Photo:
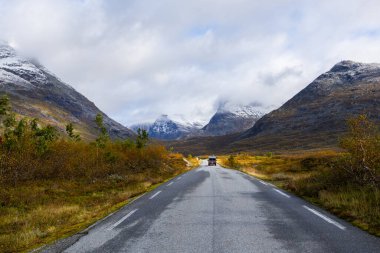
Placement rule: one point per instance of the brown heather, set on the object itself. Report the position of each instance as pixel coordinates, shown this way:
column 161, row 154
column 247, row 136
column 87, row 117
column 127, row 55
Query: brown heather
column 53, row 186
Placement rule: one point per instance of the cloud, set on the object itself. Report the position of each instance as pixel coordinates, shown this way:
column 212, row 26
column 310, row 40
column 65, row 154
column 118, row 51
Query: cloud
column 141, row 58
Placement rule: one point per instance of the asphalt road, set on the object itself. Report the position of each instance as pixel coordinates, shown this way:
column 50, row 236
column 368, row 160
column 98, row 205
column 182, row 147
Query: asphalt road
column 212, row 209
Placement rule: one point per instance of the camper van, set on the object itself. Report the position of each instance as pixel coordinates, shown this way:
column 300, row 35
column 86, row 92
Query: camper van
column 212, row 161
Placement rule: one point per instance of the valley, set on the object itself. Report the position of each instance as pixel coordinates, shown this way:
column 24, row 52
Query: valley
column 58, row 147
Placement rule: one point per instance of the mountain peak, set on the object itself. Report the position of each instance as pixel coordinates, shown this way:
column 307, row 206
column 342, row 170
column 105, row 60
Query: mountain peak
column 163, row 117
column 38, row 93
column 317, row 115
column 348, row 65
column 6, row 51
column 231, row 118
column 246, row 111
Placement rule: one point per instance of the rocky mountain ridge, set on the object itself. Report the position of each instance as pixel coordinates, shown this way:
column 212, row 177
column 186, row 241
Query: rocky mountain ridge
column 164, row 128
column 229, row 118
column 232, row 118
column 319, row 112
column 36, row 92
column 314, row 118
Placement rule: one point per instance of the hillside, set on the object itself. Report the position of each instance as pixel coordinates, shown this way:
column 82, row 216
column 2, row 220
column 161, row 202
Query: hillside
column 317, row 115
column 314, row 118
column 36, row 92
column 231, row 119
column 164, row 128
column 228, row 119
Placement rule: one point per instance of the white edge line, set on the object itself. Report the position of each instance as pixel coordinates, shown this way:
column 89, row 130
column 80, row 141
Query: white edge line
column 263, row 182
column 325, row 218
column 154, row 195
column 169, row 184
column 178, row 178
column 122, row 219
column 283, row 194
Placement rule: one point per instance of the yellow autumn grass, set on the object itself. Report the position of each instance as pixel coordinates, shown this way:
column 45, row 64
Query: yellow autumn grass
column 40, row 211
column 307, row 174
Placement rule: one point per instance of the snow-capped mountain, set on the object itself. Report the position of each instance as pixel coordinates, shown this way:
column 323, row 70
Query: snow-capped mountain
column 36, row 92
column 232, row 118
column 165, row 128
column 317, row 116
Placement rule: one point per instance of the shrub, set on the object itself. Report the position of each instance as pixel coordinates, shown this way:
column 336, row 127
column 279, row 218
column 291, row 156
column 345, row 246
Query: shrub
column 29, row 151
column 362, row 143
column 232, row 163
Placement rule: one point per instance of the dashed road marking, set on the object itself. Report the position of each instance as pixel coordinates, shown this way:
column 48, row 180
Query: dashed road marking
column 122, row 219
column 179, row 178
column 283, row 194
column 169, row 184
column 154, row 195
column 325, row 218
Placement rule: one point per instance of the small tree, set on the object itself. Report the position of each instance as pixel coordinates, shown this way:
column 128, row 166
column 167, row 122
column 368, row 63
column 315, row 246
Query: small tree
column 142, row 138
column 103, row 136
column 4, row 105
column 232, row 162
column 128, row 144
column 43, row 136
column 71, row 134
column 362, row 142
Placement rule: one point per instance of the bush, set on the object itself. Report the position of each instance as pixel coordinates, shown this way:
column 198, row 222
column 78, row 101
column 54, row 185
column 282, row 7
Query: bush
column 232, row 163
column 29, row 151
column 362, row 142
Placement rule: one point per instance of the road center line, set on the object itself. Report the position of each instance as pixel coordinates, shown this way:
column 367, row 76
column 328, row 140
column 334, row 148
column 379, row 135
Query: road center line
column 169, row 184
column 325, row 218
column 154, row 195
column 283, row 194
column 122, row 219
column 179, row 178
column 263, row 182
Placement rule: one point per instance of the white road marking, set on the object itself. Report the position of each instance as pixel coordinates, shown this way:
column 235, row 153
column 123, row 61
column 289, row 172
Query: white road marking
column 263, row 182
column 154, row 195
column 179, row 178
column 325, row 218
column 122, row 219
column 169, row 184
column 283, row 194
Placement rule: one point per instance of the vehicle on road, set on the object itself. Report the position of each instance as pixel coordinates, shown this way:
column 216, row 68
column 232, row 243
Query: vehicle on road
column 212, row 160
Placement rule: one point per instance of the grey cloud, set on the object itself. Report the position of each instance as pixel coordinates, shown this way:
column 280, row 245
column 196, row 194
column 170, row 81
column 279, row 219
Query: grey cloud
column 275, row 78
column 141, row 58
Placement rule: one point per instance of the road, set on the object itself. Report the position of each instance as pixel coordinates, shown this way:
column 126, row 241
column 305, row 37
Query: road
column 212, row 209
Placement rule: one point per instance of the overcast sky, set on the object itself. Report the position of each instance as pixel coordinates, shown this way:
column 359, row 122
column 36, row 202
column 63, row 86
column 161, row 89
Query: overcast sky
column 137, row 59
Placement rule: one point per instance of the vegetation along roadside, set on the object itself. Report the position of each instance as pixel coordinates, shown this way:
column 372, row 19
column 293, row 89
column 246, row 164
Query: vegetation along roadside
column 345, row 183
column 54, row 185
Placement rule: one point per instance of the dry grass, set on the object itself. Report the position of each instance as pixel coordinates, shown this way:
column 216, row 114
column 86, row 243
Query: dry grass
column 194, row 162
column 44, row 211
column 310, row 175
column 38, row 212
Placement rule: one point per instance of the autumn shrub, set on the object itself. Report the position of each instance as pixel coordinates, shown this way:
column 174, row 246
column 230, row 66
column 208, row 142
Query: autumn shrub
column 29, row 151
column 362, row 163
column 53, row 185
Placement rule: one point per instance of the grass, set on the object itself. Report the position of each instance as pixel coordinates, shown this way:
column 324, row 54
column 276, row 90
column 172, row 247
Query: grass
column 310, row 176
column 40, row 211
column 194, row 162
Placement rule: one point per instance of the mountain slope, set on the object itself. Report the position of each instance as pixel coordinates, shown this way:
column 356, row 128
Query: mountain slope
column 232, row 119
column 165, row 128
column 35, row 92
column 317, row 115
column 314, row 118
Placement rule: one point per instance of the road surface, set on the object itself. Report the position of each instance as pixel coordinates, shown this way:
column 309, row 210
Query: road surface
column 212, row 209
